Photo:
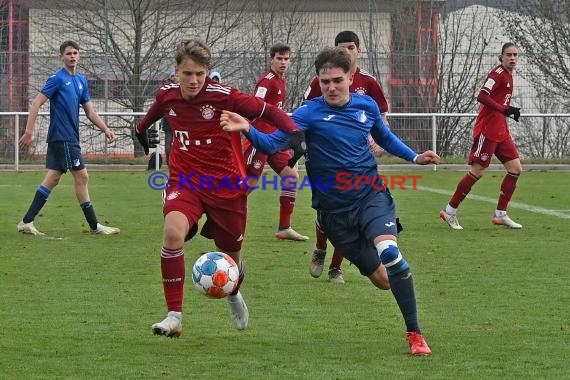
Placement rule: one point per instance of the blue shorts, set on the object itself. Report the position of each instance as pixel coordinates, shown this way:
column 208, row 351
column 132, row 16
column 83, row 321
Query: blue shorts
column 63, row 156
column 353, row 232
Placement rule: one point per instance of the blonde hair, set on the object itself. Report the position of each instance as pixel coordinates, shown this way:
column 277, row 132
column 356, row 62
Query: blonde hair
column 195, row 50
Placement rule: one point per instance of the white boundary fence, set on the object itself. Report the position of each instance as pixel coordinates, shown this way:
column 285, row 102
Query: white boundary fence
column 433, row 116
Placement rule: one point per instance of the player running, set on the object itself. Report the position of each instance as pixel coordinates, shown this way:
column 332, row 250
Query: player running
column 359, row 220
column 206, row 168
column 365, row 84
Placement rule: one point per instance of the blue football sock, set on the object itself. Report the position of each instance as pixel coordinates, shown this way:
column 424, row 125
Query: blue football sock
column 89, row 213
column 401, row 282
column 40, row 199
column 402, row 286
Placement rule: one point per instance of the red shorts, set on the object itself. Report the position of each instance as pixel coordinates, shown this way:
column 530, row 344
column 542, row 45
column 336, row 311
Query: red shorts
column 226, row 218
column 483, row 149
column 255, row 161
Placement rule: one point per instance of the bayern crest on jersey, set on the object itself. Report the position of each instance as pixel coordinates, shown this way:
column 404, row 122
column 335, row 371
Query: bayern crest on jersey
column 207, row 111
column 484, row 157
column 360, row 90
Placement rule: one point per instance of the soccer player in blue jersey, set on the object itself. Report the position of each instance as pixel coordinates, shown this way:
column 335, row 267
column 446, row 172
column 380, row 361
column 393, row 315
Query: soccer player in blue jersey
column 362, row 83
column 66, row 91
column 353, row 206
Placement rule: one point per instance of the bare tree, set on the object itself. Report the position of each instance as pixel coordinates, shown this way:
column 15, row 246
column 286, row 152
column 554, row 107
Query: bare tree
column 437, row 62
column 413, row 69
column 464, row 41
column 542, row 29
column 545, row 137
column 128, row 45
column 275, row 22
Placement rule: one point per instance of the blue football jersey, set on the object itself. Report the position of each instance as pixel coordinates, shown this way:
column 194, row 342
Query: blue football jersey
column 338, row 157
column 66, row 93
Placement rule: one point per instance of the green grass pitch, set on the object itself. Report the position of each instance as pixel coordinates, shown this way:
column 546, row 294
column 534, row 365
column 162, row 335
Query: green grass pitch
column 493, row 303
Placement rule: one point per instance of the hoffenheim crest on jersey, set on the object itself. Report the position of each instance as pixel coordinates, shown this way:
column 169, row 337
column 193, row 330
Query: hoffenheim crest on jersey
column 362, row 117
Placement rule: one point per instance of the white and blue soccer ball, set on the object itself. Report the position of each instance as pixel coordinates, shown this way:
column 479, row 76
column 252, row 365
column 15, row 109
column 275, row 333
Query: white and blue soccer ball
column 215, row 274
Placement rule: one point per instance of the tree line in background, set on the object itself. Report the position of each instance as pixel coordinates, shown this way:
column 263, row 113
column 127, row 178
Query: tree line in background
column 440, row 71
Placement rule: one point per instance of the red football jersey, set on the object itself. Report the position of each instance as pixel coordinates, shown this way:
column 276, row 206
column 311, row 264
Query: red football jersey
column 204, row 156
column 271, row 88
column 490, row 122
column 362, row 83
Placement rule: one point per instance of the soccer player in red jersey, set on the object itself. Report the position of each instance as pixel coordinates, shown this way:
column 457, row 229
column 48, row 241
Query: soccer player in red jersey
column 491, row 136
column 365, row 84
column 206, row 170
column 271, row 87
column 362, row 82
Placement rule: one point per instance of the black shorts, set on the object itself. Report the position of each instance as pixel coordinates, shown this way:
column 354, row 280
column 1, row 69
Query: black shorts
column 353, row 232
column 63, row 156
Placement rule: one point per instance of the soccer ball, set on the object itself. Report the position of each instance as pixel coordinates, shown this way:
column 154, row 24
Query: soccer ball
column 215, row 274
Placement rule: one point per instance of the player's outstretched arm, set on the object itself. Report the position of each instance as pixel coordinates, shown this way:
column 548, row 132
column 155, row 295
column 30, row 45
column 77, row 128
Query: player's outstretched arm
column 269, row 143
column 389, row 141
column 233, row 122
column 427, row 157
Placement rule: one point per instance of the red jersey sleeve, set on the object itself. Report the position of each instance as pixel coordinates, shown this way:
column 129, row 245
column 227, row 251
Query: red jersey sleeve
column 377, row 94
column 252, row 108
column 314, row 89
column 485, row 99
column 489, row 94
column 153, row 114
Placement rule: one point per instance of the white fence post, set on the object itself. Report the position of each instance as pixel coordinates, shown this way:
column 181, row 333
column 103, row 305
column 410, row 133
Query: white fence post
column 434, row 136
column 157, row 150
column 16, row 143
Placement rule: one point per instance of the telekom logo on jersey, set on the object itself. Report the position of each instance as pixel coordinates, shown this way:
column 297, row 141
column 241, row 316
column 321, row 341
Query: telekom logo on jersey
column 182, row 136
column 343, row 181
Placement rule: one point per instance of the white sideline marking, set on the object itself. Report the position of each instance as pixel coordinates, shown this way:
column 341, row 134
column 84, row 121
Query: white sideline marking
column 522, row 206
column 47, row 237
